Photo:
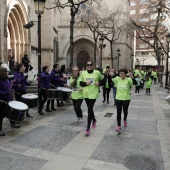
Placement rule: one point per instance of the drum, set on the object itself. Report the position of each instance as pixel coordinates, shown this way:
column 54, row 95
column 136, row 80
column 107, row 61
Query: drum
column 54, row 94
column 65, row 92
column 31, row 100
column 16, row 111
column 64, row 89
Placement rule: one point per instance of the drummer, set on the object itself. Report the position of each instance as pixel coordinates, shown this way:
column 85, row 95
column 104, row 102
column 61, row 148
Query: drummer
column 55, row 81
column 5, row 95
column 64, row 75
column 44, row 85
column 20, row 84
column 77, row 93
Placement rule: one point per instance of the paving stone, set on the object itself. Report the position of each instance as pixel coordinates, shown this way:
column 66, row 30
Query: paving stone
column 166, row 113
column 138, row 127
column 115, row 149
column 46, row 138
column 11, row 161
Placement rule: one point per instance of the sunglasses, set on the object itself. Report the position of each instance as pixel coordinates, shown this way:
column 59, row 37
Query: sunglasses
column 89, row 64
column 75, row 70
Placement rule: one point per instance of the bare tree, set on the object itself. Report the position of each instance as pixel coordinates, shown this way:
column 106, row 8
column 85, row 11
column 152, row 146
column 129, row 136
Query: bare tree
column 153, row 32
column 74, row 7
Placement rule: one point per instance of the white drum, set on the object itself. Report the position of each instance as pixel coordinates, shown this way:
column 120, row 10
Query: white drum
column 64, row 89
column 16, row 111
column 30, row 99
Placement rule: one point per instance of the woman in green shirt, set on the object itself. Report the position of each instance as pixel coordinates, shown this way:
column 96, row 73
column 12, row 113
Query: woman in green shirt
column 123, row 96
column 77, row 94
column 89, row 80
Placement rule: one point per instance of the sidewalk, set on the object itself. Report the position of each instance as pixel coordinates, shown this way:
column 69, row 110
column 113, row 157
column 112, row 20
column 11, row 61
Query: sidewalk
column 56, row 142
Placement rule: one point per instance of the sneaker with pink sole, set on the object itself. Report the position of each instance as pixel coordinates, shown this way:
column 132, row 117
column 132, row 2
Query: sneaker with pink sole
column 125, row 123
column 87, row 132
column 118, row 129
column 94, row 124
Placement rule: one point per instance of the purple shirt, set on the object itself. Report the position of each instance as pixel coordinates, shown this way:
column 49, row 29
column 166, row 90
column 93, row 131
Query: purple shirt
column 5, row 90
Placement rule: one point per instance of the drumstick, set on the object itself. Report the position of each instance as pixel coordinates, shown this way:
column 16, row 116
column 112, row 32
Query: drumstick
column 53, row 86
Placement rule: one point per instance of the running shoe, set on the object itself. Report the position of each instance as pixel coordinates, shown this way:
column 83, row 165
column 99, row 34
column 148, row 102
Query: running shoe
column 87, row 132
column 125, row 123
column 94, row 124
column 118, row 129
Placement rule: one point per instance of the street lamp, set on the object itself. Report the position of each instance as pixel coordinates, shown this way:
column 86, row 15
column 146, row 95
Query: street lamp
column 118, row 55
column 101, row 46
column 132, row 57
column 167, row 73
column 39, row 10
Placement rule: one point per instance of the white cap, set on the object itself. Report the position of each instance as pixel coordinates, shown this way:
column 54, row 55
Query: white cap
column 4, row 65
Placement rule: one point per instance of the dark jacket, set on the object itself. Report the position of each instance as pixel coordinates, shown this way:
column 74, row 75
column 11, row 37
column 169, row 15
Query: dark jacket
column 25, row 61
column 55, row 78
column 5, row 90
column 107, row 78
column 20, row 82
column 44, row 80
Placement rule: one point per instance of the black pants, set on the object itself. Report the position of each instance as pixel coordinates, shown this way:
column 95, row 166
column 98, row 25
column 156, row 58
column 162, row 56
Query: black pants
column 148, row 91
column 106, row 92
column 43, row 94
column 77, row 107
column 90, row 104
column 122, row 104
column 137, row 89
column 3, row 110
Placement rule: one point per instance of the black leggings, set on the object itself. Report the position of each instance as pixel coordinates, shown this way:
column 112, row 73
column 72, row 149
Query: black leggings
column 148, row 90
column 106, row 92
column 125, row 105
column 137, row 89
column 43, row 94
column 77, row 107
column 3, row 110
column 90, row 104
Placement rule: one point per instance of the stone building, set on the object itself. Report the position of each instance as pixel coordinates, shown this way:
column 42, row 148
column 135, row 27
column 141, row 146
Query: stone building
column 55, row 32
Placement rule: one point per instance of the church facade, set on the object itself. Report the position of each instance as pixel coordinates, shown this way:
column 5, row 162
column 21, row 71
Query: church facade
column 55, row 36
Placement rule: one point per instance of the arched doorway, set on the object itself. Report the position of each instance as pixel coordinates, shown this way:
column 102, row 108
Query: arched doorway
column 82, row 57
column 17, row 40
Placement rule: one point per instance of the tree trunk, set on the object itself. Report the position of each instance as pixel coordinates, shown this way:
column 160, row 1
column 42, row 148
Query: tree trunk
column 111, row 51
column 95, row 48
column 71, row 39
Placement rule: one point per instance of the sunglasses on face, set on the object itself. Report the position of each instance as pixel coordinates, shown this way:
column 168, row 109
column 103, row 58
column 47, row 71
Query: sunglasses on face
column 75, row 70
column 89, row 64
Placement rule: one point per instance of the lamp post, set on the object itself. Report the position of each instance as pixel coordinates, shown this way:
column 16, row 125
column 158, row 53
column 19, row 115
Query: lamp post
column 118, row 55
column 132, row 56
column 39, row 10
column 167, row 73
column 101, row 46
column 162, row 58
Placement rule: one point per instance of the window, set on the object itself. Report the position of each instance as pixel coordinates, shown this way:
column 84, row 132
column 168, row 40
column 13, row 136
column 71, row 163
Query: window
column 132, row 3
column 142, row 11
column 56, row 50
column 132, row 12
column 143, row 45
column 143, row 2
column 144, row 19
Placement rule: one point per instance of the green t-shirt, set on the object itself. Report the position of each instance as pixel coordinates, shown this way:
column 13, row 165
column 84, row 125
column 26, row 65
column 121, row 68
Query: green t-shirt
column 77, row 92
column 91, row 91
column 148, row 83
column 123, row 88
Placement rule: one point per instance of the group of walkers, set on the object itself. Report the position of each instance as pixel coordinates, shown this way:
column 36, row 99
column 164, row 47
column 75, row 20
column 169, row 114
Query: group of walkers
column 85, row 85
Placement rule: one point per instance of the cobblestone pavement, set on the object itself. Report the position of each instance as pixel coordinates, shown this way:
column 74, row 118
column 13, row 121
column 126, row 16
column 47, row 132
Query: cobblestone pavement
column 56, row 142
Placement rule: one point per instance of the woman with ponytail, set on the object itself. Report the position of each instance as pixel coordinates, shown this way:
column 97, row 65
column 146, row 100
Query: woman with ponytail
column 76, row 95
